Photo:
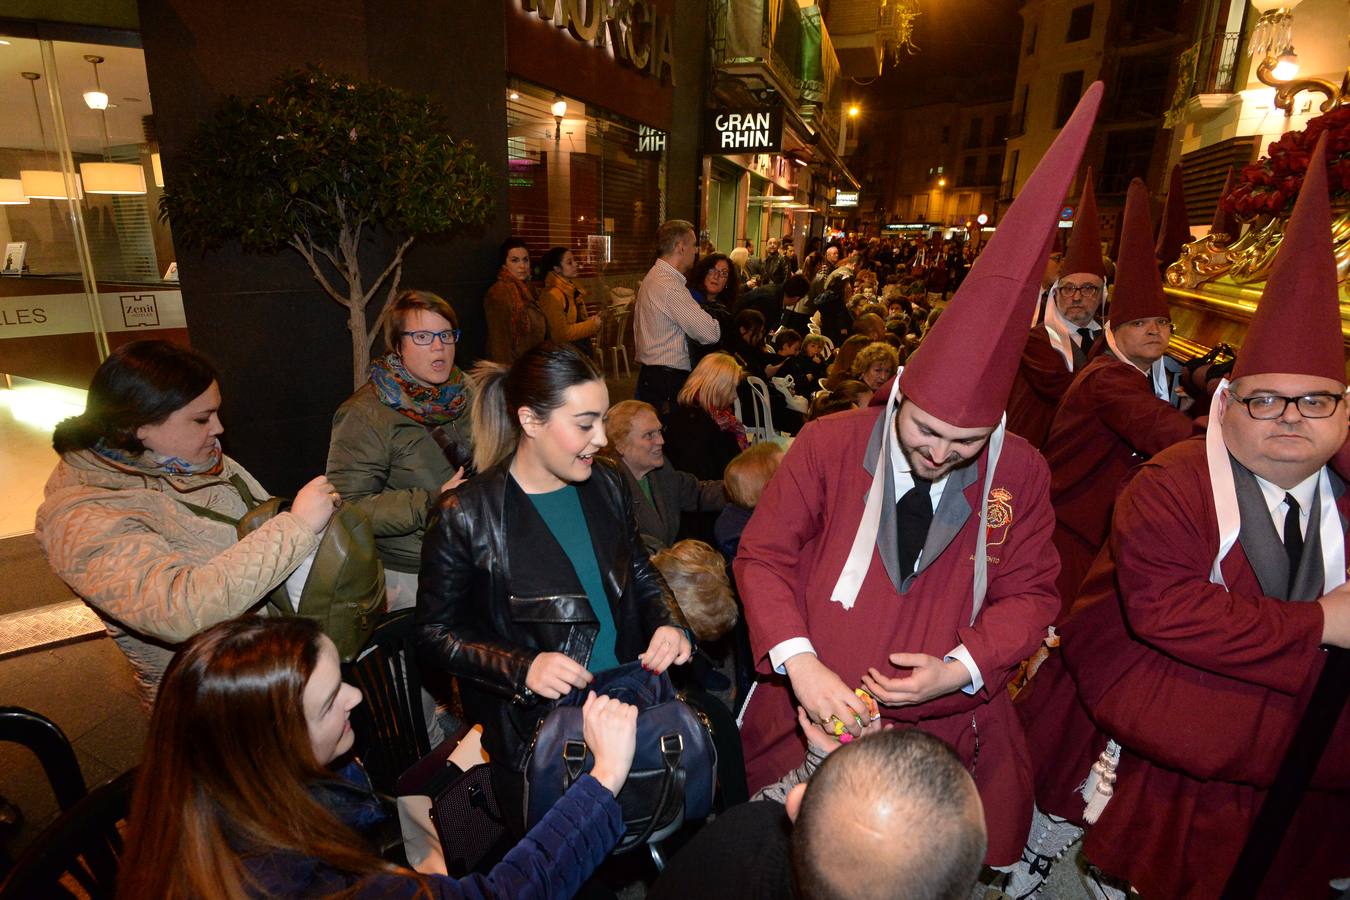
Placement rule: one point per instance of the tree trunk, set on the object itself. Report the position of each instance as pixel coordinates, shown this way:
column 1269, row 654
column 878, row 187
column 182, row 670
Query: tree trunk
column 356, row 323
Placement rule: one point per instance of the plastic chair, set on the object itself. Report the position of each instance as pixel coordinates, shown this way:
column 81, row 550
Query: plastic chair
column 763, row 429
column 614, row 346
column 391, row 731
column 83, row 846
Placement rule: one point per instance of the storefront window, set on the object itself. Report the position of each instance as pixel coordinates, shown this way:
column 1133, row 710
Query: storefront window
column 594, row 183
column 86, row 256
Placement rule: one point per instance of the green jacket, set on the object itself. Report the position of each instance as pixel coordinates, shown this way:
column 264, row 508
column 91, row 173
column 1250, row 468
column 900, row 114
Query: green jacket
column 394, row 465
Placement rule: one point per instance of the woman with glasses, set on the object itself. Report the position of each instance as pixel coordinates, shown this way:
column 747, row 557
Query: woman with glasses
column 404, row 438
column 713, row 283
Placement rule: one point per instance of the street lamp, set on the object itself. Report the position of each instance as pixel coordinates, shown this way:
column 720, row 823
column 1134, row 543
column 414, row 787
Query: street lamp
column 559, row 109
column 853, row 110
column 942, row 182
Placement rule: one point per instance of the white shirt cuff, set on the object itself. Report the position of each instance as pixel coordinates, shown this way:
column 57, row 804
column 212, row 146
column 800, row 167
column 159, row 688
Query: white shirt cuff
column 962, row 655
column 781, row 653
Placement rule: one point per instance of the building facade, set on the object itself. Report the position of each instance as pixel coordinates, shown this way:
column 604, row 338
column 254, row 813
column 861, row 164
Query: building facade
column 1132, row 46
column 626, row 152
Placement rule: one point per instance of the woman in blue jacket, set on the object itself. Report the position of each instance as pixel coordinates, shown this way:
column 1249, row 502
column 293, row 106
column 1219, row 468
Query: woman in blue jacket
column 238, row 796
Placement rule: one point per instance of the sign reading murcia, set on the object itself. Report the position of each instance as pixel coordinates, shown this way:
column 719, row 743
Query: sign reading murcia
column 750, row 130
column 642, row 37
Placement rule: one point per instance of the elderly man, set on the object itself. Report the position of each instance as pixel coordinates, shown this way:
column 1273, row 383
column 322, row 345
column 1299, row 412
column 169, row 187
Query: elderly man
column 1117, row 413
column 905, row 548
column 1196, row 643
column 1063, row 343
column 666, row 315
column 825, row 841
column 660, row 492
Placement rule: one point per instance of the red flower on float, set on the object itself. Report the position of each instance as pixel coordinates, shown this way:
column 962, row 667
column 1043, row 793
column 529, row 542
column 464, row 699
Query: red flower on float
column 1270, row 185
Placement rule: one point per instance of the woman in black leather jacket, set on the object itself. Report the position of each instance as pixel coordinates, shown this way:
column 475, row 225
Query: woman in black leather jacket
column 514, row 558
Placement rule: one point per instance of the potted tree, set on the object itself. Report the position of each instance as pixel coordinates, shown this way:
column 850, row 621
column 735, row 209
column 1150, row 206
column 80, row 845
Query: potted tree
column 321, row 165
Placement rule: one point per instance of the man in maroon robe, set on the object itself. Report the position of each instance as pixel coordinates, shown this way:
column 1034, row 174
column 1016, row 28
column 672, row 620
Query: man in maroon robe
column 1070, row 334
column 905, row 548
column 1190, row 657
column 1117, row 413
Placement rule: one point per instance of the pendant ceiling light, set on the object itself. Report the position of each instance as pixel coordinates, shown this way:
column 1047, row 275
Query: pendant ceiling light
column 42, row 184
column 108, row 177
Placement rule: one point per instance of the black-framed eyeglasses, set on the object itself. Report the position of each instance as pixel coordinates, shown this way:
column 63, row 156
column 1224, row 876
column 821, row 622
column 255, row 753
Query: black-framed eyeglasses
column 1086, row 291
column 1272, row 406
column 449, row 337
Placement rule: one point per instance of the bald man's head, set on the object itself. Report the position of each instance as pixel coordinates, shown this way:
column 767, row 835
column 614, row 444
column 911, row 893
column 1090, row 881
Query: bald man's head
column 894, row 815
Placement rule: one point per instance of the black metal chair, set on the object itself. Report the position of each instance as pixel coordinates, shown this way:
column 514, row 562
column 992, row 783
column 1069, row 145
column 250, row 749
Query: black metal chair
column 83, row 848
column 48, row 743
column 391, row 730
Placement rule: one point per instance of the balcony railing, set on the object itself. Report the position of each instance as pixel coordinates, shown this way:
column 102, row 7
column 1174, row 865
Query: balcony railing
column 1209, row 66
column 1216, row 67
column 788, row 47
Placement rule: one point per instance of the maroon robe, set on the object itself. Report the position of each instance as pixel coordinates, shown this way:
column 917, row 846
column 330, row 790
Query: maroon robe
column 790, row 558
column 1202, row 686
column 1042, row 380
column 1108, row 423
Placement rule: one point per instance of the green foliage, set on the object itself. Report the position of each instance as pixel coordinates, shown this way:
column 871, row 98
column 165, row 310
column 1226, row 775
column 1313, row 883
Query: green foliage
column 320, row 158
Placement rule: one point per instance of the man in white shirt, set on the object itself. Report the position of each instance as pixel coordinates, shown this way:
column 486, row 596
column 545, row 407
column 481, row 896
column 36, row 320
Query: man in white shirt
column 666, row 316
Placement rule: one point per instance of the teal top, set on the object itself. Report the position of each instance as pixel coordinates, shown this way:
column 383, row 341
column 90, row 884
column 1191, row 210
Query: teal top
column 561, row 511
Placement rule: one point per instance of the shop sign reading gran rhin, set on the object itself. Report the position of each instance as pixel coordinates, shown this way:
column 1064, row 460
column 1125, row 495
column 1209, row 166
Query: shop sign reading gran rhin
column 642, row 37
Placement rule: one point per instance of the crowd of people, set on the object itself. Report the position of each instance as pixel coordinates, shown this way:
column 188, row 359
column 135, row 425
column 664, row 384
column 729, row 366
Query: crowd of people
column 979, row 591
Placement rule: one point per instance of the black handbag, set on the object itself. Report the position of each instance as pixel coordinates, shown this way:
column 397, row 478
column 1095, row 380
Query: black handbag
column 464, row 809
column 674, row 771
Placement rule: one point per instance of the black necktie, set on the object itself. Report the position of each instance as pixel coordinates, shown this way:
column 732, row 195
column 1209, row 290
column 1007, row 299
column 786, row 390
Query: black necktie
column 913, row 515
column 1293, row 539
column 1086, row 335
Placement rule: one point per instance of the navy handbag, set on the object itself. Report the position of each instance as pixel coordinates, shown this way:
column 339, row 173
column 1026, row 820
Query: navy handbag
column 674, row 770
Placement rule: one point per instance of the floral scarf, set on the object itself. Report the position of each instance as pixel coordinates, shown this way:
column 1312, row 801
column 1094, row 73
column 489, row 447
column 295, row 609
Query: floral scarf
column 146, row 461
column 727, row 421
column 425, row 404
column 520, row 307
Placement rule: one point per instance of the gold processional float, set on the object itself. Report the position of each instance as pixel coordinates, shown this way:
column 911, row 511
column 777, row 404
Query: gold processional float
column 1214, row 286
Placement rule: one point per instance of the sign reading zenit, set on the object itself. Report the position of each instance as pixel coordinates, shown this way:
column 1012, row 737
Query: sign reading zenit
column 745, row 130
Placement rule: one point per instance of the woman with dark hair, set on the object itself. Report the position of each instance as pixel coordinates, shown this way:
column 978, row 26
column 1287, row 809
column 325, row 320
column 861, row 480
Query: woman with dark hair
column 140, row 513
column 515, row 323
column 533, row 575
column 404, row 438
column 713, row 283
column 712, row 280
column 239, row 795
column 564, row 302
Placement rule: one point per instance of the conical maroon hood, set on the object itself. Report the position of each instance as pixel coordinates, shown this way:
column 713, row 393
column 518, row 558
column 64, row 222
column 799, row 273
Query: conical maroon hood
column 1138, row 293
column 1225, row 222
column 1297, row 326
column 963, row 372
column 1176, row 228
column 1085, row 241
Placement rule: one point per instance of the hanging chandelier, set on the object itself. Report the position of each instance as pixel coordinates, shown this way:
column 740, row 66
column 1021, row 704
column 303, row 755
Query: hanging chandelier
column 897, row 26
